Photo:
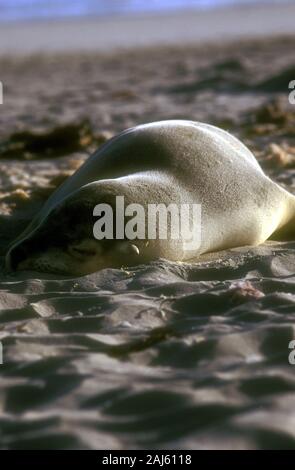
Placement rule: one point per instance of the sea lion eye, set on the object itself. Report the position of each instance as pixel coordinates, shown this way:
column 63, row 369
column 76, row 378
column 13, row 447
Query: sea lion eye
column 84, row 251
column 85, row 247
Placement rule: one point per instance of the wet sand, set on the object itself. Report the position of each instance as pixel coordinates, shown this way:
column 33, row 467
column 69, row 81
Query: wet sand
column 164, row 355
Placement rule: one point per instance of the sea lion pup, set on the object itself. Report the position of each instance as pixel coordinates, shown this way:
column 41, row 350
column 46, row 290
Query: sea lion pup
column 179, row 162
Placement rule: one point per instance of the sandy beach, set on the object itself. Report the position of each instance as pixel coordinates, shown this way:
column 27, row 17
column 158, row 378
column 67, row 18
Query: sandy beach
column 164, row 355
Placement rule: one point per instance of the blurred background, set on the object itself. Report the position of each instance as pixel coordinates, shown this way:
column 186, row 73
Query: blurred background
column 29, row 26
column 37, row 9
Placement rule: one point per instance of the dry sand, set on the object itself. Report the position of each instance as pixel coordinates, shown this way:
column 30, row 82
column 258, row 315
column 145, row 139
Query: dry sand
column 166, row 355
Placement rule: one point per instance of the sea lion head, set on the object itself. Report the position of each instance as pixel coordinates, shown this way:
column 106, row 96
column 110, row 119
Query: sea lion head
column 64, row 242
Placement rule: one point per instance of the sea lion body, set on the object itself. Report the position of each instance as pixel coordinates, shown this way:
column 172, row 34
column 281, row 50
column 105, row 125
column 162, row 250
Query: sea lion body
column 179, row 162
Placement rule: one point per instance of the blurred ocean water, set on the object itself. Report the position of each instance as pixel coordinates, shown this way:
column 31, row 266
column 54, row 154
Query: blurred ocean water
column 38, row 9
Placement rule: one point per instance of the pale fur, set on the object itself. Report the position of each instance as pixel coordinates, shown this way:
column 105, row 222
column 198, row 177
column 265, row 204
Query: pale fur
column 163, row 162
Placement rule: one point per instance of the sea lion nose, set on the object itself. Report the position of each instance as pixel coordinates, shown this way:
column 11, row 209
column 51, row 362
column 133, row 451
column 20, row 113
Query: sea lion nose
column 15, row 256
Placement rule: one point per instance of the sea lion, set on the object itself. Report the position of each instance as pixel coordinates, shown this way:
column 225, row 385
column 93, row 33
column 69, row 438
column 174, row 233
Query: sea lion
column 179, row 162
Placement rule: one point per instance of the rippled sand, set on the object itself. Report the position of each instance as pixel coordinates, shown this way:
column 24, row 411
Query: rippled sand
column 164, row 355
